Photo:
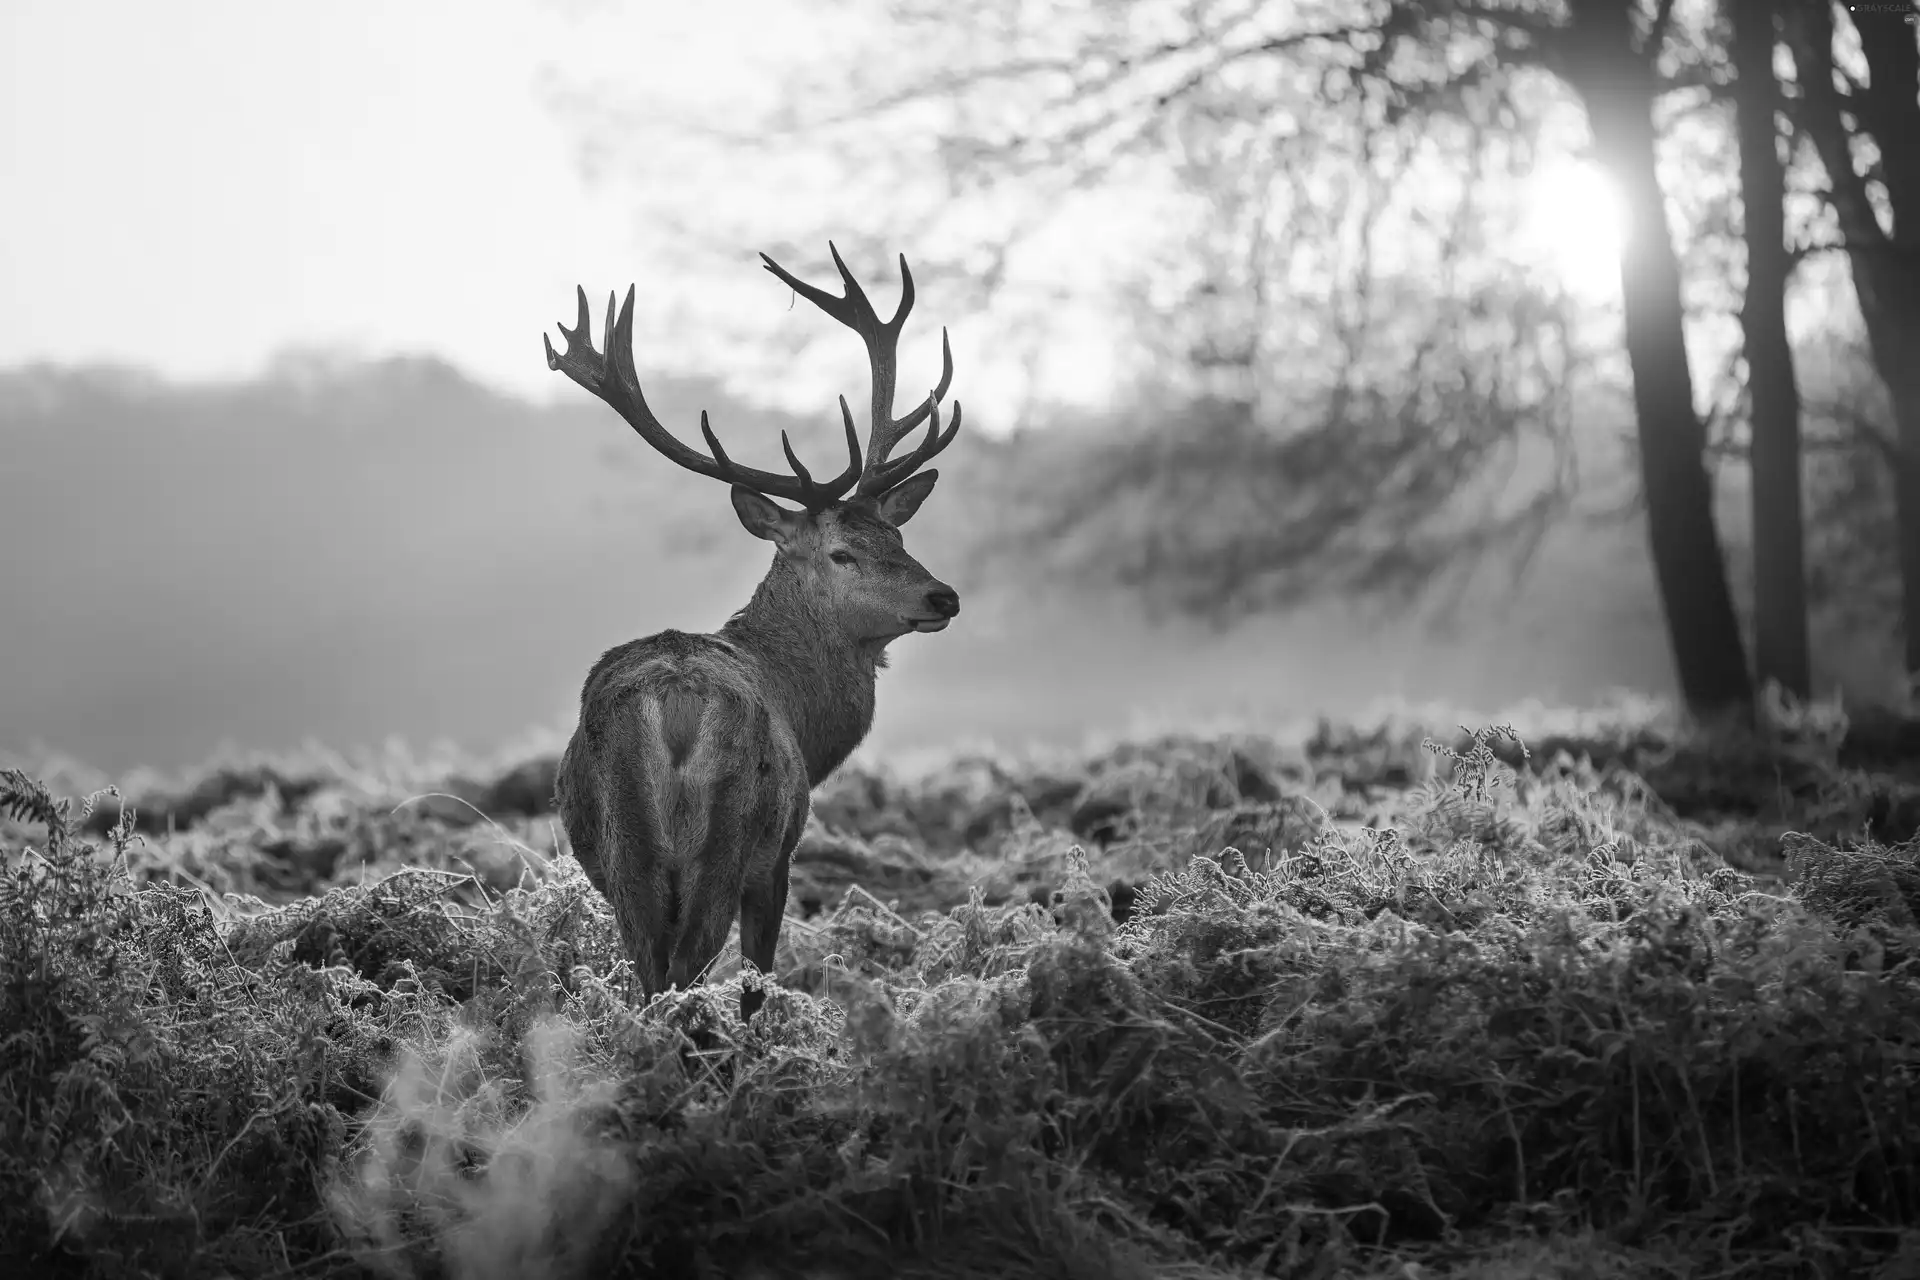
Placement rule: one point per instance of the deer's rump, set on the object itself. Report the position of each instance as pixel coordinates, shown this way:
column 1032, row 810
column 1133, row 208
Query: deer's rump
column 679, row 789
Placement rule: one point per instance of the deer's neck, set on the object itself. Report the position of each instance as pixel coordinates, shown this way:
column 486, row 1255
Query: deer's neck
column 822, row 681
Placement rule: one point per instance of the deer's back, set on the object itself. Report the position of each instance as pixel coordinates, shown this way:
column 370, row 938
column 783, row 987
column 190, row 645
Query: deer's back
column 667, row 722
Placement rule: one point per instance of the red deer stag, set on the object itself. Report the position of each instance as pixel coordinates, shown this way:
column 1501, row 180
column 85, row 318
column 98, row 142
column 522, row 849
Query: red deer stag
column 685, row 786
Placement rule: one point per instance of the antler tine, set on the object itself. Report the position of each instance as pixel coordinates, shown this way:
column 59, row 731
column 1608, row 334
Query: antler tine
column 879, row 479
column 611, row 377
column 882, row 340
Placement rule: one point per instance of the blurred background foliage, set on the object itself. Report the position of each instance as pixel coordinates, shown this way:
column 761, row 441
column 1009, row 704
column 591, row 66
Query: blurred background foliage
column 1291, row 337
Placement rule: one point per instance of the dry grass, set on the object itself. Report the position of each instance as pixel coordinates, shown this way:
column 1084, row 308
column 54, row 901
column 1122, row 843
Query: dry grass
column 1626, row 1004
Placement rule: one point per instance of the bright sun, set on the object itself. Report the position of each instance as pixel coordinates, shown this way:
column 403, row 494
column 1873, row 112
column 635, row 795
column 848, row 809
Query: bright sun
column 1574, row 222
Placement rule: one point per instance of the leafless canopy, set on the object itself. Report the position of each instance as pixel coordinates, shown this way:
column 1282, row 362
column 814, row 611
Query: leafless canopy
column 611, row 377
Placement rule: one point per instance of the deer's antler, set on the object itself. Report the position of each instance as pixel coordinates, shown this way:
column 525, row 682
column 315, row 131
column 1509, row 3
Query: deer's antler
column 611, row 377
column 882, row 340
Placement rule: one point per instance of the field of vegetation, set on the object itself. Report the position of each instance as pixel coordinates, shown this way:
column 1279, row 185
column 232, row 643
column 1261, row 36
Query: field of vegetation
column 1401, row 1001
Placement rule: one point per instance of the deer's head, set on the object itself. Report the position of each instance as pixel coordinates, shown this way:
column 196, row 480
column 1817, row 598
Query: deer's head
column 843, row 546
column 850, row 559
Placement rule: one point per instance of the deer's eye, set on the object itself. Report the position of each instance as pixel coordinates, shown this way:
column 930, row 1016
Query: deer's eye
column 841, row 557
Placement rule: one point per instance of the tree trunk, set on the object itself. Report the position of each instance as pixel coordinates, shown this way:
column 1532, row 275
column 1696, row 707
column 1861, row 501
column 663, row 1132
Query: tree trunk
column 1779, row 559
column 1885, row 269
column 1616, row 82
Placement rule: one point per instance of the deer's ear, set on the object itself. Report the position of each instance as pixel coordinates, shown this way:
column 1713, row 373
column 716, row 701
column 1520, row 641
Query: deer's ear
column 762, row 517
column 898, row 504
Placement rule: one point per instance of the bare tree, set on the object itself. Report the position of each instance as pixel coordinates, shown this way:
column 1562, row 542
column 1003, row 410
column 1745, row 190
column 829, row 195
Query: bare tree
column 1612, row 67
column 1867, row 134
column 1779, row 561
column 1048, row 99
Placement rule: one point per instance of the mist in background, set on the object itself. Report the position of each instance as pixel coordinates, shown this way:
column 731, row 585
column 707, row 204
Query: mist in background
column 195, row 190
column 280, row 459
column 343, row 553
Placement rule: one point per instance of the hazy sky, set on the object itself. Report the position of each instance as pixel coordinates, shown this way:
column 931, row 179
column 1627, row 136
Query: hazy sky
column 194, row 186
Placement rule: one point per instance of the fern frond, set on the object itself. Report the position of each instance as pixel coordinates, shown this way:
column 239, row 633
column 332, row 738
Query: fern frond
column 24, row 799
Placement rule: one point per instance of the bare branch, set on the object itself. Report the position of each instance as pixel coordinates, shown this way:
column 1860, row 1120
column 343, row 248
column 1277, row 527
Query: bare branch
column 1819, row 111
column 1657, row 31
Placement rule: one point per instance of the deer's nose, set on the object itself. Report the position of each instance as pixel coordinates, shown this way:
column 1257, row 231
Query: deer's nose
column 944, row 600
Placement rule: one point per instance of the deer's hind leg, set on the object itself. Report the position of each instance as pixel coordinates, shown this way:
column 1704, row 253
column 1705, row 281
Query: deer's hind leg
column 627, row 852
column 711, row 829
column 780, row 818
column 763, row 906
column 639, row 885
